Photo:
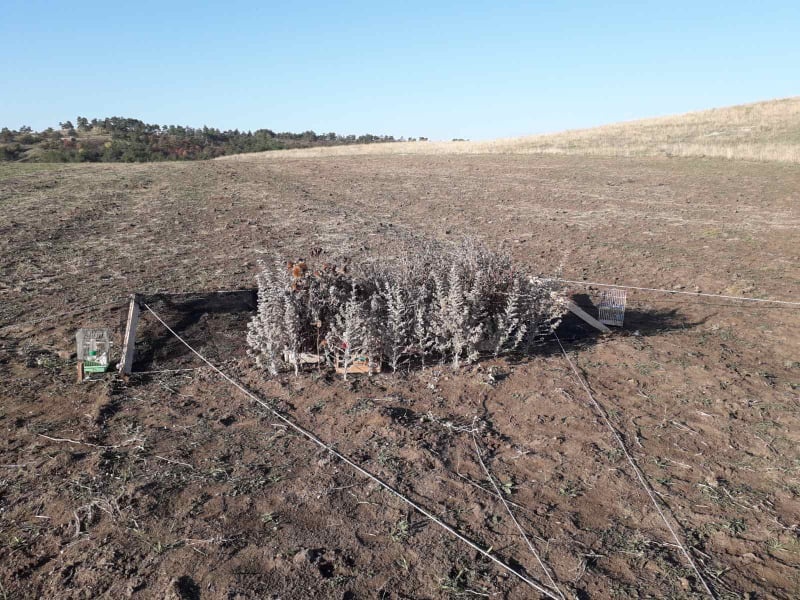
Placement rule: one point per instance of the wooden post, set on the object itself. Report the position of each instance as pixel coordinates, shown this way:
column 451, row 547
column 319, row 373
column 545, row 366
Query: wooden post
column 80, row 371
column 129, row 343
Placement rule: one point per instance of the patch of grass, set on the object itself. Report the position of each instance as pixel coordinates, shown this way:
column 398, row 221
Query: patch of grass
column 735, row 526
column 613, row 454
column 399, row 531
column 793, row 488
column 362, row 405
column 660, row 462
column 571, row 489
column 493, row 521
column 16, row 542
column 777, row 545
column 316, row 407
column 457, row 582
column 338, row 580
column 766, row 426
column 403, row 564
column 644, row 369
column 387, row 458
column 457, row 512
column 727, row 334
column 160, row 547
column 270, row 520
column 453, row 584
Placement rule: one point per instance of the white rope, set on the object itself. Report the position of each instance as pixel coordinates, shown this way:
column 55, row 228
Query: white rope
column 513, row 518
column 539, row 588
column 165, row 371
column 601, row 411
column 647, row 289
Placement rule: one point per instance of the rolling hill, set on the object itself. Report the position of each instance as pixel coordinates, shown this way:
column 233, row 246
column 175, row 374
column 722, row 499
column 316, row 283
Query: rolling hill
column 761, row 131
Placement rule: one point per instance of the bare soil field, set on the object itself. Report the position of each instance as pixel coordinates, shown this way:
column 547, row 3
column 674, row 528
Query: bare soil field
column 176, row 485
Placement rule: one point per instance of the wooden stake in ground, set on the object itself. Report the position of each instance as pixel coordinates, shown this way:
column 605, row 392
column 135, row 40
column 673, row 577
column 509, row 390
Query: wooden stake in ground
column 129, row 343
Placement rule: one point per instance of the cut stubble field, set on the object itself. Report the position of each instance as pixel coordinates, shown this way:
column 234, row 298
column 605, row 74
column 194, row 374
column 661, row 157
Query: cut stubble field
column 174, row 484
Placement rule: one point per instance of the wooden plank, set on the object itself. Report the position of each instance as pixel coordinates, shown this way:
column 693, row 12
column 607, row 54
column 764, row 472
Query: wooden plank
column 129, row 343
column 303, row 358
column 579, row 312
column 360, row 365
column 357, row 368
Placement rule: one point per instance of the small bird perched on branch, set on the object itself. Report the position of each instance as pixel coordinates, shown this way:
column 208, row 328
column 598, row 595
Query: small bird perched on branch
column 297, row 269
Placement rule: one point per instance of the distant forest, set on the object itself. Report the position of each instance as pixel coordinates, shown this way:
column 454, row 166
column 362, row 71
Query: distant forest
column 117, row 139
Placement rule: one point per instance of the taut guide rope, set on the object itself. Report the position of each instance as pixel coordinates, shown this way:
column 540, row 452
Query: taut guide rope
column 640, row 476
column 647, row 289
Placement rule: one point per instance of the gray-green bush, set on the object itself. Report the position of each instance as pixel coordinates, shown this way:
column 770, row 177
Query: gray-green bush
column 429, row 303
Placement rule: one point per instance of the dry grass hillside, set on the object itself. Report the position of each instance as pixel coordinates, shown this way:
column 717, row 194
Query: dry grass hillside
column 763, row 131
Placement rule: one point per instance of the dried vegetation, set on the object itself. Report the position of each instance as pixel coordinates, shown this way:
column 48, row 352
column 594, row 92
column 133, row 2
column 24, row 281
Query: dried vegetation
column 761, row 131
column 431, row 303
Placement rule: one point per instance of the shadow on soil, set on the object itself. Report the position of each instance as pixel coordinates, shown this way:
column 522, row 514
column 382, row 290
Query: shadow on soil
column 216, row 325
column 213, row 323
column 579, row 334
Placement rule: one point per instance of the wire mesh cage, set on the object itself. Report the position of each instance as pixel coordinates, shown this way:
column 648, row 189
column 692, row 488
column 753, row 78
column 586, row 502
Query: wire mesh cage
column 94, row 349
column 612, row 307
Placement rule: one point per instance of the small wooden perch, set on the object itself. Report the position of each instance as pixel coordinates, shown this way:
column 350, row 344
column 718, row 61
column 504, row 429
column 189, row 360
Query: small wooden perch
column 579, row 312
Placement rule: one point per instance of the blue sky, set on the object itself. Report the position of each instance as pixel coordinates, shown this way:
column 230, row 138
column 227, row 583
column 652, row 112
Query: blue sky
column 475, row 70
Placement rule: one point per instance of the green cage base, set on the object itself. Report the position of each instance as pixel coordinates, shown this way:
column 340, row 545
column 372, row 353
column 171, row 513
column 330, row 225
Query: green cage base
column 91, row 367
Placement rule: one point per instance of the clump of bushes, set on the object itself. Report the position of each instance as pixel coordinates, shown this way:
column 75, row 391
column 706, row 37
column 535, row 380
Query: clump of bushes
column 429, row 304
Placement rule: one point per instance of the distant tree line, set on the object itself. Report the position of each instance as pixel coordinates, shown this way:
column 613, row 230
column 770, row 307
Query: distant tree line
column 118, row 139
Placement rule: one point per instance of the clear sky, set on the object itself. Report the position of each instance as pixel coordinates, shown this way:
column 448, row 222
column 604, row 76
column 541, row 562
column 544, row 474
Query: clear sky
column 469, row 69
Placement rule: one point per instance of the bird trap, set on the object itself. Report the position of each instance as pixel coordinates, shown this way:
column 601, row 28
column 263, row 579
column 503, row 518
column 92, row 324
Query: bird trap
column 94, row 349
column 612, row 307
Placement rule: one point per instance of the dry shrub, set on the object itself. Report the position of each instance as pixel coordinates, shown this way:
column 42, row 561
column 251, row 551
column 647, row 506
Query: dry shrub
column 430, row 303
